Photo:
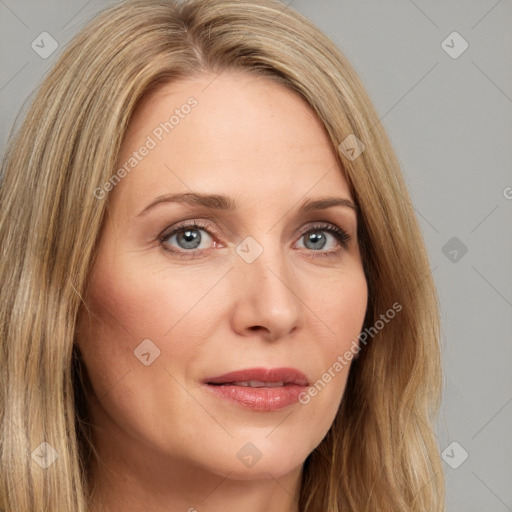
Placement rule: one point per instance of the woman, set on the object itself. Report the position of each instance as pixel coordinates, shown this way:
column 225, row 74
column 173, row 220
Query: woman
column 215, row 294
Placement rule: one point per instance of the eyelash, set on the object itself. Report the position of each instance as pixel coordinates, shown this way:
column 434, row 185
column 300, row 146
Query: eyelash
column 342, row 236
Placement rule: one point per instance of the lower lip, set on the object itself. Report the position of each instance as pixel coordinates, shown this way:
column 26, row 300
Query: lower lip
column 259, row 399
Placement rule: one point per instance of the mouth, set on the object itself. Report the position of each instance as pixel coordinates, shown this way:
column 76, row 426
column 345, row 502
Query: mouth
column 259, row 389
column 252, row 384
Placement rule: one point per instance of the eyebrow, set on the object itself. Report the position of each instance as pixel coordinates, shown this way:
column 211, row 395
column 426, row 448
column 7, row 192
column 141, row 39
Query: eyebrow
column 222, row 202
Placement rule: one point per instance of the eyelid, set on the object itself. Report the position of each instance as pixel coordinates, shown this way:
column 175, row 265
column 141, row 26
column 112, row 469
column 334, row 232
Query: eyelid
column 186, row 224
column 324, row 226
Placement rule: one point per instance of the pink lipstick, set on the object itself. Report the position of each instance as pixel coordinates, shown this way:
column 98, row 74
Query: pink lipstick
column 259, row 389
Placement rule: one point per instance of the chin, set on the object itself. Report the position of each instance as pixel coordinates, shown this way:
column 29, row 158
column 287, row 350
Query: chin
column 259, row 459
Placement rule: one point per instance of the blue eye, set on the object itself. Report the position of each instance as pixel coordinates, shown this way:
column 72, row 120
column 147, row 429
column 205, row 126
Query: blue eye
column 316, row 240
column 188, row 238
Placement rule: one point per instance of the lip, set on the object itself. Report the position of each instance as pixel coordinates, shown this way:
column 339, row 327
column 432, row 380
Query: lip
column 294, row 382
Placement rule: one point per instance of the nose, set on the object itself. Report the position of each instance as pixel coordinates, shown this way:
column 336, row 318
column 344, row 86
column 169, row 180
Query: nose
column 266, row 297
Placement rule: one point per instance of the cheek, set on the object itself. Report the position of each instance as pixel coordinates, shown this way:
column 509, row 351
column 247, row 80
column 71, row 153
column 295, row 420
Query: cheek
column 341, row 308
column 126, row 308
column 341, row 305
column 131, row 302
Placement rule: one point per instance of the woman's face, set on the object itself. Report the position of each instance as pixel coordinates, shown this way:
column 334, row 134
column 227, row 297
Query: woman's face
column 266, row 287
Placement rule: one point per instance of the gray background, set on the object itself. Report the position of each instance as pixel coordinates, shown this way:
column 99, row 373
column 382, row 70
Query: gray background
column 450, row 121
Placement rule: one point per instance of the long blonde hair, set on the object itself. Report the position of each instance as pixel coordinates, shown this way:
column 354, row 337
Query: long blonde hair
column 380, row 453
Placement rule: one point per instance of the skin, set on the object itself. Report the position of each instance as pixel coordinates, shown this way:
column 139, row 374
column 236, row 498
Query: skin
column 167, row 444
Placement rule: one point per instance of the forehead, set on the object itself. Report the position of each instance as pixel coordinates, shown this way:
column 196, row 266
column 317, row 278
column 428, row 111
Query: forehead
column 234, row 132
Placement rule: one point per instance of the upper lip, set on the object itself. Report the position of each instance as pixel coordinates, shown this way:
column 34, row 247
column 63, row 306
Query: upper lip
column 285, row 375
